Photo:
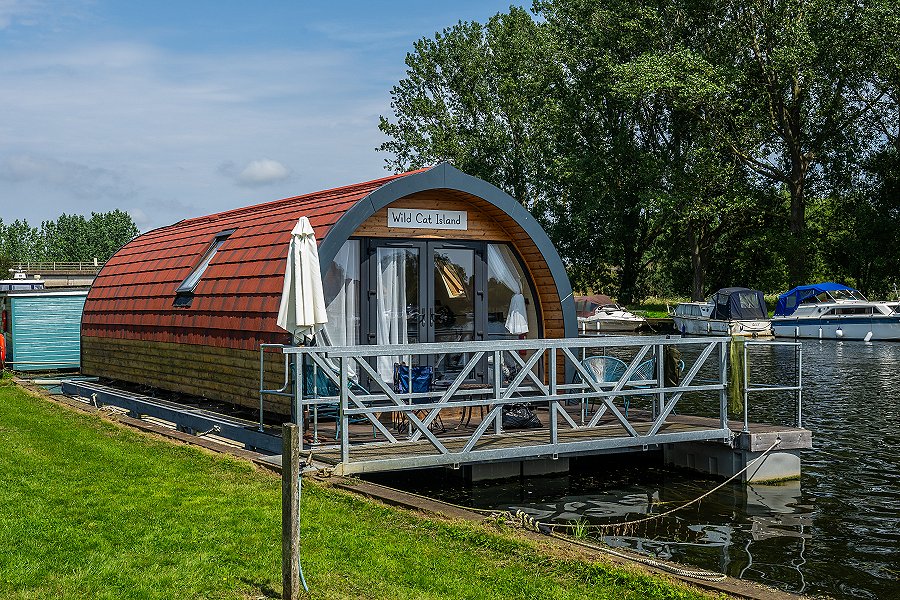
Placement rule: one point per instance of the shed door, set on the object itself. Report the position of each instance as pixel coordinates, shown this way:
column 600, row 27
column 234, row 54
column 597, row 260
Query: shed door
column 426, row 292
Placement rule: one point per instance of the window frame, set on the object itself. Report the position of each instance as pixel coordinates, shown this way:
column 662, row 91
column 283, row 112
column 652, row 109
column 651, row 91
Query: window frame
column 184, row 293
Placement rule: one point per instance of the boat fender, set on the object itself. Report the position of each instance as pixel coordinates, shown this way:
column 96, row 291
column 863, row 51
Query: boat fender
column 868, row 337
column 839, row 332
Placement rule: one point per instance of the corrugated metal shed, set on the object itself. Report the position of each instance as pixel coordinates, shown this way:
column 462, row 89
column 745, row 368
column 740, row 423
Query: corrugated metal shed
column 44, row 329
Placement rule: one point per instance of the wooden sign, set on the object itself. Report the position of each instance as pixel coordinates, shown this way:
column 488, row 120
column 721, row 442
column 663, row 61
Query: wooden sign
column 418, row 218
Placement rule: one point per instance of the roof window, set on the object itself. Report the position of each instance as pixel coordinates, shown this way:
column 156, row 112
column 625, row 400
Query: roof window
column 185, row 291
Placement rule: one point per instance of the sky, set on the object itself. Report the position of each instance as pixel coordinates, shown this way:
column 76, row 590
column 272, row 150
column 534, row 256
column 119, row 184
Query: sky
column 176, row 109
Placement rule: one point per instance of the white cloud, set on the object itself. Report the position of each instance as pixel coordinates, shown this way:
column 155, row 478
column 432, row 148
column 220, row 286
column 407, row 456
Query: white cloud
column 99, row 124
column 18, row 11
column 257, row 173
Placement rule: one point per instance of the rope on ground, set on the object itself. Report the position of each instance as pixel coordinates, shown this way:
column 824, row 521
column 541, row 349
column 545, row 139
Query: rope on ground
column 527, row 522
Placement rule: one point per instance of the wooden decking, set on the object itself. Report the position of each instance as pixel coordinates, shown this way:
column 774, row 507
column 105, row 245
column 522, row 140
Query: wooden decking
column 369, row 454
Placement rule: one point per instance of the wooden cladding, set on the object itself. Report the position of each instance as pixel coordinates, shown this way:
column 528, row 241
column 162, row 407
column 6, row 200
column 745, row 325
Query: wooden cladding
column 224, row 374
column 480, row 225
column 486, row 223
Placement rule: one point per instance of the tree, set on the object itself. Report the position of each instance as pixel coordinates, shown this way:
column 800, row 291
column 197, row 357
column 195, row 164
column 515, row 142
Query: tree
column 786, row 110
column 71, row 238
column 21, row 242
column 472, row 96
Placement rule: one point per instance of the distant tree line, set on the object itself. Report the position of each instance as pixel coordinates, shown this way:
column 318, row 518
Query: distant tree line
column 71, row 238
column 672, row 147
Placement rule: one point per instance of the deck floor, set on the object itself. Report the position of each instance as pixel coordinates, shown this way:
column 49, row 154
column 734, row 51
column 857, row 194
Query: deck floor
column 455, row 433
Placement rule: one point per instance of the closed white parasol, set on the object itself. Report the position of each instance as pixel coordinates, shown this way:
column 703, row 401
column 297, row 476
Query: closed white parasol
column 302, row 311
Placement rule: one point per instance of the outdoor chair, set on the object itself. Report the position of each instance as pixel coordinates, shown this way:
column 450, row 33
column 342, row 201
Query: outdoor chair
column 605, row 369
column 318, row 383
column 422, row 379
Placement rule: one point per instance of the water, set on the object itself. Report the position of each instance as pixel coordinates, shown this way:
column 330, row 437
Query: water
column 834, row 532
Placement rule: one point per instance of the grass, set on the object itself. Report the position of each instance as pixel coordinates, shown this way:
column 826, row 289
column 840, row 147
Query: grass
column 655, row 308
column 91, row 509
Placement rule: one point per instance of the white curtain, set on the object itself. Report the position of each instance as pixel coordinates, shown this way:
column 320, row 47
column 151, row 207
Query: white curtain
column 391, row 310
column 341, row 285
column 502, row 269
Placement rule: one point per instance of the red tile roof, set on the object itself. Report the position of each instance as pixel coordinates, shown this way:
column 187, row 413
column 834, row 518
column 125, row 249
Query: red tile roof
column 236, row 301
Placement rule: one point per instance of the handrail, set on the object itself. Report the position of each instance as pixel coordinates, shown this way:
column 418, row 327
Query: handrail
column 477, row 345
column 535, row 368
column 749, row 387
column 282, row 391
column 84, row 265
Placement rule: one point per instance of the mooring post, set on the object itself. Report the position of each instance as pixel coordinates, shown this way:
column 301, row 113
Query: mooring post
column 290, row 511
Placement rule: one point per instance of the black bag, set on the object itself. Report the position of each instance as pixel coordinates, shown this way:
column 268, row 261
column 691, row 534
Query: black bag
column 519, row 416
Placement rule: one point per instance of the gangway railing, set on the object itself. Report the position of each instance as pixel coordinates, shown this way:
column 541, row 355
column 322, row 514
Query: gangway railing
column 751, row 387
column 584, row 414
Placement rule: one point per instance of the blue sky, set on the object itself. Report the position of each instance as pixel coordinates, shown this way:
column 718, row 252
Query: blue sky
column 171, row 110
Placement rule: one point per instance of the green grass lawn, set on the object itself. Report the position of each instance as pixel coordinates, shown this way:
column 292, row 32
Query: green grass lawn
column 90, row 509
column 655, row 308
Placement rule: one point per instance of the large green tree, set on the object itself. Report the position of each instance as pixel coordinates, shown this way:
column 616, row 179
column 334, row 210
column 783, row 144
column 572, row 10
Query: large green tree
column 708, row 127
column 474, row 95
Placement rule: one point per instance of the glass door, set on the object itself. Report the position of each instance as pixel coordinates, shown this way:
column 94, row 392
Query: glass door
column 456, row 304
column 426, row 292
column 396, row 300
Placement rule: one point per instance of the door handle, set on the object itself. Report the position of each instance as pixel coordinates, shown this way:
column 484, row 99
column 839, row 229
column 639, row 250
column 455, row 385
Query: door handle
column 431, row 316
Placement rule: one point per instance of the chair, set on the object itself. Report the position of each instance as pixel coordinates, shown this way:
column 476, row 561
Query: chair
column 318, row 383
column 422, row 377
column 605, row 369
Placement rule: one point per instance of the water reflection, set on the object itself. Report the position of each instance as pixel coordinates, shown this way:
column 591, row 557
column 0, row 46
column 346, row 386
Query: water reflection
column 834, row 532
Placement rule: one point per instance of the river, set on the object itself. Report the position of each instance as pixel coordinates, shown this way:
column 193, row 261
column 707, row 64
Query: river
column 834, row 532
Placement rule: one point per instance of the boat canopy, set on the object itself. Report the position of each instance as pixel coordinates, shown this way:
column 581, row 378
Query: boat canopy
column 739, row 304
column 790, row 300
column 586, row 305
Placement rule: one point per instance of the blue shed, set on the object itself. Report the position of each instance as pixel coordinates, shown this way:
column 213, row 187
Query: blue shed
column 42, row 328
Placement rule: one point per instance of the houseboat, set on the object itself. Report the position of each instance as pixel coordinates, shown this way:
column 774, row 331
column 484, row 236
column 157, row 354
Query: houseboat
column 834, row 311
column 730, row 311
column 432, row 255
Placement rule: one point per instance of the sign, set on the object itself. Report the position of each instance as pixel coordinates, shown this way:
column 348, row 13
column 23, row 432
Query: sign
column 415, row 218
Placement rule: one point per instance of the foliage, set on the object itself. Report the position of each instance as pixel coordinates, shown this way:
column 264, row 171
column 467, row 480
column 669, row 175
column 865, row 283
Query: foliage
column 92, row 510
column 676, row 147
column 71, row 238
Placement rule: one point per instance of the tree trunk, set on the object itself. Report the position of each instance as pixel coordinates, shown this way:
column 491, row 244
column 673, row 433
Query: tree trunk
column 631, row 256
column 796, row 259
column 699, row 263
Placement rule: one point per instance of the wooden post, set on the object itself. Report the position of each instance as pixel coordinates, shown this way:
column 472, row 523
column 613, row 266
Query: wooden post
column 290, row 511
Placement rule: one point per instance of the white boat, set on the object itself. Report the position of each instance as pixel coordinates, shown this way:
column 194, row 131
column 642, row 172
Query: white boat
column 599, row 313
column 834, row 311
column 730, row 311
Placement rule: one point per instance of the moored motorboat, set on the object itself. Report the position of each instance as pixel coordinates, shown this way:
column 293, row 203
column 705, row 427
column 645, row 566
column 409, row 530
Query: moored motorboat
column 598, row 313
column 830, row 310
column 730, row 311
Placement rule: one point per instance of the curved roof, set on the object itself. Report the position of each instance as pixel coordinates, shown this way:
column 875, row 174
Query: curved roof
column 236, row 300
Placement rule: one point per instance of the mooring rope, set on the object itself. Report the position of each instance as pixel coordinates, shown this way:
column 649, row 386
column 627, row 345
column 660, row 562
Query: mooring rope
column 529, row 523
column 677, row 508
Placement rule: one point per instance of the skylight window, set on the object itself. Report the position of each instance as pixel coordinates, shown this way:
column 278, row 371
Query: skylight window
column 187, row 286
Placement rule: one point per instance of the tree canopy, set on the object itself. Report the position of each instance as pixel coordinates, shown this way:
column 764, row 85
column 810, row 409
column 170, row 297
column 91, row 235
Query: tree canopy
column 676, row 147
column 71, row 238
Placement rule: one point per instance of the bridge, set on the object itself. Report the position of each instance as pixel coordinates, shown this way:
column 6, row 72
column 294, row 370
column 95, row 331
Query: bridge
column 59, row 273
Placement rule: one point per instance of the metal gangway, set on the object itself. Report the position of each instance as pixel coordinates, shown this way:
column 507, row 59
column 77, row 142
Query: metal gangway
column 376, row 425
